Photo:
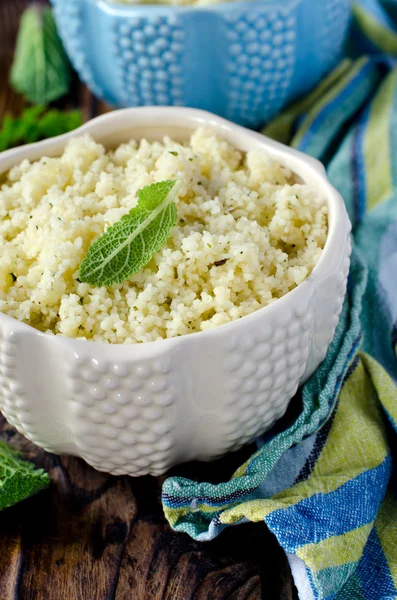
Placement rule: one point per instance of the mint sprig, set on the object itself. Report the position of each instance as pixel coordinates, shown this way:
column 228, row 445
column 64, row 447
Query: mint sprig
column 36, row 123
column 41, row 70
column 129, row 244
column 18, row 479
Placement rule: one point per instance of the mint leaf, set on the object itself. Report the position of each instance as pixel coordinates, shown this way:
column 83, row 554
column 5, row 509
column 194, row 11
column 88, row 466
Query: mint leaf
column 55, row 122
column 18, row 479
column 41, row 70
column 130, row 243
column 35, row 123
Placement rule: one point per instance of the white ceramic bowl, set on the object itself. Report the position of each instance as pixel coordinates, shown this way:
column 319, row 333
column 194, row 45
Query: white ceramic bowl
column 141, row 408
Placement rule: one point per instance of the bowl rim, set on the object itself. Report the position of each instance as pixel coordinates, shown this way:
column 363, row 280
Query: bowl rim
column 119, row 9
column 339, row 224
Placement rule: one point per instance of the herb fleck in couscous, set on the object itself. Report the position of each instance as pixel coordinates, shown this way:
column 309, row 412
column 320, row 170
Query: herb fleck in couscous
column 246, row 235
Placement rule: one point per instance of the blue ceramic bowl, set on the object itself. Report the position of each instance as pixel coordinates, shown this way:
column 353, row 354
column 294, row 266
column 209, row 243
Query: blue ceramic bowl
column 242, row 60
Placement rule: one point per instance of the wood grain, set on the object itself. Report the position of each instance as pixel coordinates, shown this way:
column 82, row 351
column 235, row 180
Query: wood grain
column 94, row 536
column 91, row 536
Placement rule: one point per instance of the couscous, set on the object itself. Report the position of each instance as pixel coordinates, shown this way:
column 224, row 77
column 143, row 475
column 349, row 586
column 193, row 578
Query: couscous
column 247, row 234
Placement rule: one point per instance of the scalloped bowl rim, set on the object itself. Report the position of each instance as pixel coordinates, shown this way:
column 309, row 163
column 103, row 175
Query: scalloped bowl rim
column 191, row 117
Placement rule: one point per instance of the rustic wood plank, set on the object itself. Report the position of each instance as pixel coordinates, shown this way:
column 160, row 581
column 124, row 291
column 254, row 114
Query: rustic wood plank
column 10, row 11
column 94, row 536
column 10, row 562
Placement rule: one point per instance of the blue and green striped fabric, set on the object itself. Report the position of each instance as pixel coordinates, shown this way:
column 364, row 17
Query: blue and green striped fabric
column 326, row 484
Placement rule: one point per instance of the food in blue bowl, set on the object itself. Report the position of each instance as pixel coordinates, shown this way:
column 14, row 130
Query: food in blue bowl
column 242, row 60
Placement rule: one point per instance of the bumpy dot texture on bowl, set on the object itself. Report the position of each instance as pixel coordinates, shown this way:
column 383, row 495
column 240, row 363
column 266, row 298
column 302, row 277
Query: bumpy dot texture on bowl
column 261, row 57
column 149, row 61
column 244, row 61
column 73, row 27
column 123, row 415
column 335, row 19
column 13, row 403
column 265, row 367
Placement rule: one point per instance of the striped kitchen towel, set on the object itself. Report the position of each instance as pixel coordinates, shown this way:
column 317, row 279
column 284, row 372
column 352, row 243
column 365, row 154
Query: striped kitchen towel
column 326, row 483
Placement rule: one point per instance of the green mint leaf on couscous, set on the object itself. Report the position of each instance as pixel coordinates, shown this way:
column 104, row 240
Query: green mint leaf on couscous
column 129, row 244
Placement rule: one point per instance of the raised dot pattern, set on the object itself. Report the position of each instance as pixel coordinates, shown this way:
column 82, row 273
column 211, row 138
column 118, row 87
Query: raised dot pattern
column 261, row 50
column 263, row 370
column 124, row 415
column 149, row 58
column 13, row 403
column 336, row 18
column 70, row 24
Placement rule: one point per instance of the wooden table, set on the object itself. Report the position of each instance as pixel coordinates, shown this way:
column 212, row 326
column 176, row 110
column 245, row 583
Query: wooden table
column 92, row 536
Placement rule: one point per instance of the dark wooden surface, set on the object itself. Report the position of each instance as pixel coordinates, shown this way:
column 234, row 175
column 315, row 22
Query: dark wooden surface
column 91, row 536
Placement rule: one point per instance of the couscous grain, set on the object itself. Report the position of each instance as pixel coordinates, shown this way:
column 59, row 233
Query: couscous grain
column 246, row 235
